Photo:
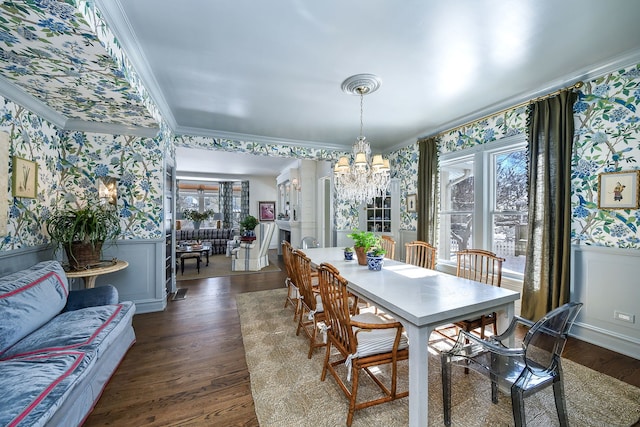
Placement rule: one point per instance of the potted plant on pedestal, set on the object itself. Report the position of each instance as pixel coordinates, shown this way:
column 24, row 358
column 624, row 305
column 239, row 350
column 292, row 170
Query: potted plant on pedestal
column 197, row 217
column 248, row 224
column 362, row 241
column 82, row 231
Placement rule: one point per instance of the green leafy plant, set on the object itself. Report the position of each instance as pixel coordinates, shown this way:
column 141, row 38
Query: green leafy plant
column 376, row 251
column 198, row 216
column 348, row 249
column 364, row 239
column 91, row 225
column 249, row 222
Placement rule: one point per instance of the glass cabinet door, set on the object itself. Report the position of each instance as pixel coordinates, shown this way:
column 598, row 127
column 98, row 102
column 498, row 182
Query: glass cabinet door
column 378, row 215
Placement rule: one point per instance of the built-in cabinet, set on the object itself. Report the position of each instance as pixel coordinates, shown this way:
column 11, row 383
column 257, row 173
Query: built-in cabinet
column 378, row 215
column 382, row 215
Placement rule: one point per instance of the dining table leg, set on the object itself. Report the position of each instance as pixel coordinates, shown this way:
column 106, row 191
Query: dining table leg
column 418, row 374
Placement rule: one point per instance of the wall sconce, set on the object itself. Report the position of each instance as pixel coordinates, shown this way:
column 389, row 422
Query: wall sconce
column 295, row 184
column 108, row 190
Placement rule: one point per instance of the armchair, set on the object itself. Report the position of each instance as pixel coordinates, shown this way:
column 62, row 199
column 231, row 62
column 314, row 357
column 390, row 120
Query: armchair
column 524, row 370
column 254, row 256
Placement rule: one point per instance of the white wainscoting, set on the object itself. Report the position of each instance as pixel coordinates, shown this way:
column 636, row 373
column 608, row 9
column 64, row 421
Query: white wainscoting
column 607, row 280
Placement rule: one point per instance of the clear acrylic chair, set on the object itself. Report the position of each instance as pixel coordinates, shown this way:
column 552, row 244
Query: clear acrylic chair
column 309, row 242
column 524, row 370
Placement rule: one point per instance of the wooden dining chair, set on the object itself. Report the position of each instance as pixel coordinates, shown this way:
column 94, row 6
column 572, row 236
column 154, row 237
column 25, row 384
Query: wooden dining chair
column 484, row 267
column 293, row 293
column 420, row 253
column 389, row 245
column 363, row 341
column 311, row 309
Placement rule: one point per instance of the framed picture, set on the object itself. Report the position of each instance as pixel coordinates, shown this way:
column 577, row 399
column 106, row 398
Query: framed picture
column 412, row 203
column 267, row 211
column 25, row 178
column 618, row 190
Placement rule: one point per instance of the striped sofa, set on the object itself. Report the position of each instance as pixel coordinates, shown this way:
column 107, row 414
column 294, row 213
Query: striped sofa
column 217, row 237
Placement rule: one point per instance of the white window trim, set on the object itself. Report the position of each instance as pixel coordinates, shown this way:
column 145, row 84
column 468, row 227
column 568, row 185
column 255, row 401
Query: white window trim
column 483, row 176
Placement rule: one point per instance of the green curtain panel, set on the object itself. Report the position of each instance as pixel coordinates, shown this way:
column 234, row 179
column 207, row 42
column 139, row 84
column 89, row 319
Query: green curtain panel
column 427, row 204
column 547, row 269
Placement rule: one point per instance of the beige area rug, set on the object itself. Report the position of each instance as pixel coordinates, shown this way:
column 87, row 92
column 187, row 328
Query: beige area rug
column 287, row 390
column 219, row 265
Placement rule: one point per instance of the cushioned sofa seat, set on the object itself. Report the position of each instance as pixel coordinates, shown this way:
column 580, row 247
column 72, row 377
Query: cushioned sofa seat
column 67, row 346
column 87, row 329
column 51, row 378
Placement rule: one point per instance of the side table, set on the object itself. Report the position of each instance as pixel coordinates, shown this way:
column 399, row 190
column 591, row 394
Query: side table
column 91, row 274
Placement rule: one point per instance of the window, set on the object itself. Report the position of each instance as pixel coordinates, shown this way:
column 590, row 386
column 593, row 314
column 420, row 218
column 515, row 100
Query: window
column 206, row 198
column 483, row 202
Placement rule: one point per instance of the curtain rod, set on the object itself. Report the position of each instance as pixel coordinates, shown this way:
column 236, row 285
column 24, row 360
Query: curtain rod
column 576, row 85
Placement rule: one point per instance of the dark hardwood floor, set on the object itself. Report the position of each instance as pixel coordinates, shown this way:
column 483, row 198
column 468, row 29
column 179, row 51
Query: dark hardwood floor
column 188, row 366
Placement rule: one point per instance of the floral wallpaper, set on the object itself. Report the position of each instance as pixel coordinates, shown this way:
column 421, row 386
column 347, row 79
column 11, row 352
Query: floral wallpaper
column 608, row 140
column 34, row 139
column 50, row 50
column 405, row 168
column 69, row 164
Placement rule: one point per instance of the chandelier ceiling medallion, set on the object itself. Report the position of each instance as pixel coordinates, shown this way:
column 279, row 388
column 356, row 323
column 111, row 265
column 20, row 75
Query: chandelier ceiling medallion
column 364, row 177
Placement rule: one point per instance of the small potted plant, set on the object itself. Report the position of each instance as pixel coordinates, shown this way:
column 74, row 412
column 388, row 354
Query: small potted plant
column 375, row 258
column 197, row 217
column 248, row 224
column 362, row 241
column 348, row 253
column 81, row 231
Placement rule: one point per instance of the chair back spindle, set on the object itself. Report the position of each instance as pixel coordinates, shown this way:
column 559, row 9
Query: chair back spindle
column 421, row 254
column 389, row 245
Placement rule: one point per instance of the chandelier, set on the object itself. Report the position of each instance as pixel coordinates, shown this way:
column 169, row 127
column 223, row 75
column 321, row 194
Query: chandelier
column 364, row 177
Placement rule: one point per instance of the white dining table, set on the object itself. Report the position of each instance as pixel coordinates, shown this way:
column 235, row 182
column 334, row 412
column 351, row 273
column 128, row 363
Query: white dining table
column 421, row 299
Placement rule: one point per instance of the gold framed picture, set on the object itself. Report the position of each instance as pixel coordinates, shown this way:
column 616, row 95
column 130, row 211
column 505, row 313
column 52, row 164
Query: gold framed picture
column 412, row 203
column 24, row 178
column 619, row 190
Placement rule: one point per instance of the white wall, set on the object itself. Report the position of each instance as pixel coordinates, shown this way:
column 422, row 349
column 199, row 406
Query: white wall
column 606, row 281
column 263, row 189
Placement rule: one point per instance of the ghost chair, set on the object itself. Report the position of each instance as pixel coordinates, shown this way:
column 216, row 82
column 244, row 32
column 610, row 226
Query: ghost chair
column 523, row 370
column 309, row 242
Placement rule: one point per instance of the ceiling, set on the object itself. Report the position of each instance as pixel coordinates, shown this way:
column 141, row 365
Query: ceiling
column 271, row 71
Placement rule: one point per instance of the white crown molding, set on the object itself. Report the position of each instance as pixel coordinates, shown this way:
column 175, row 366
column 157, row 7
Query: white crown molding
column 31, row 103
column 118, row 23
